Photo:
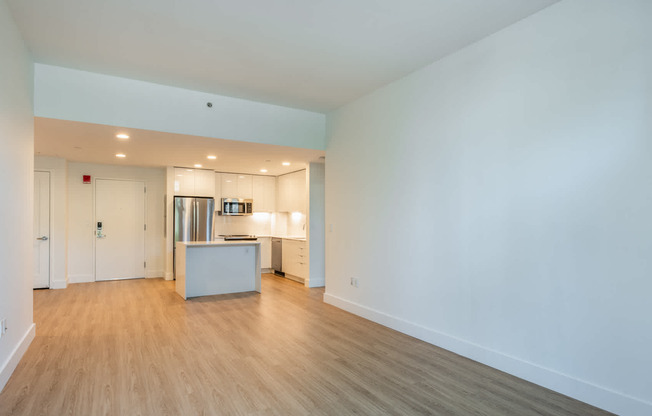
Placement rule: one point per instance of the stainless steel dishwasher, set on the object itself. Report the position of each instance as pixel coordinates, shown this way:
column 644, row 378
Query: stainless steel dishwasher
column 277, row 256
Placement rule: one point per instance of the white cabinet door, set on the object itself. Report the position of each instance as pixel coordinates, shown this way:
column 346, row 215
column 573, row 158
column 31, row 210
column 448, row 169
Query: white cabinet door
column 194, row 182
column 218, row 190
column 184, row 182
column 245, row 188
column 283, row 193
column 299, row 191
column 229, row 185
column 302, row 259
column 264, row 193
column 295, row 258
column 292, row 192
column 269, row 193
column 265, row 252
column 288, row 256
column 204, row 183
column 258, row 193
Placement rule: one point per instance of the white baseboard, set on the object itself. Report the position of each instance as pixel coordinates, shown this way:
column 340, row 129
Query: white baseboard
column 587, row 392
column 80, row 278
column 58, row 284
column 10, row 364
column 295, row 278
column 153, row 274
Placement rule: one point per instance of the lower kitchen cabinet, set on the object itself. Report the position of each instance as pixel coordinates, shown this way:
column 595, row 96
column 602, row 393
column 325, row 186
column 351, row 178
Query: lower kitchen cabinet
column 295, row 259
column 265, row 252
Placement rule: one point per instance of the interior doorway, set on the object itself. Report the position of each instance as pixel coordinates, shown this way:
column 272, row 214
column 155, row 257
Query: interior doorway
column 41, row 230
column 119, row 229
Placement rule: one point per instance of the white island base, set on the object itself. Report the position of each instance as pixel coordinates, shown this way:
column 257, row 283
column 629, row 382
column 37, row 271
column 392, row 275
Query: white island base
column 217, row 267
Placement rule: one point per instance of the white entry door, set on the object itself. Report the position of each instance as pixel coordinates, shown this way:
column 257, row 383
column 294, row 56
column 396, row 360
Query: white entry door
column 41, row 230
column 119, row 229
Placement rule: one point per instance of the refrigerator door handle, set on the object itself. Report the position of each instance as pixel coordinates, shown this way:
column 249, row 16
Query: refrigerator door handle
column 195, row 223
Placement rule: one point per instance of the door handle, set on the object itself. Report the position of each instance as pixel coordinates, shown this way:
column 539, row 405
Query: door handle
column 44, row 238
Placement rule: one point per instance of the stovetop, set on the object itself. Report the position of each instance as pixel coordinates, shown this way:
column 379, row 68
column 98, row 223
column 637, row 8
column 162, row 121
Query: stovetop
column 232, row 237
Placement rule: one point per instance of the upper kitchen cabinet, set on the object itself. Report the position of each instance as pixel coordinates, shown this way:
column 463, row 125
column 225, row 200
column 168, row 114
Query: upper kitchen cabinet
column 235, row 185
column 264, row 193
column 194, row 182
column 204, row 183
column 245, row 186
column 218, row 190
column 291, row 192
column 229, row 185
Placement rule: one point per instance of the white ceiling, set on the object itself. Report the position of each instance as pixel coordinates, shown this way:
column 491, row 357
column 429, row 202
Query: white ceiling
column 311, row 54
column 97, row 143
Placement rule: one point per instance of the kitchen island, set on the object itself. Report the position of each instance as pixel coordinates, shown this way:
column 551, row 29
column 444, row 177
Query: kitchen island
column 217, row 267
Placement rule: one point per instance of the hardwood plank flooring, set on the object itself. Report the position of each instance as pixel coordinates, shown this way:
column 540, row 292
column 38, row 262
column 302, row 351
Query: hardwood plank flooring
column 136, row 348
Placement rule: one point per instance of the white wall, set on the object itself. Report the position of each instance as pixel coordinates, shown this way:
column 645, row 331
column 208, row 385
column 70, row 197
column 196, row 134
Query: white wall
column 81, row 224
column 169, row 222
column 69, row 94
column 17, row 184
column 315, row 183
column 497, row 202
column 58, row 169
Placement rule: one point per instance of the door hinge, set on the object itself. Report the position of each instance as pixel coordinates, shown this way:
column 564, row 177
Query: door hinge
column 145, row 264
column 145, row 227
column 145, row 190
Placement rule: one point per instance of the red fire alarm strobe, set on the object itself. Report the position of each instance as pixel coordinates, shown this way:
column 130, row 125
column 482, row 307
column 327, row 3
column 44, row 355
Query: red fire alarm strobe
column 86, row 178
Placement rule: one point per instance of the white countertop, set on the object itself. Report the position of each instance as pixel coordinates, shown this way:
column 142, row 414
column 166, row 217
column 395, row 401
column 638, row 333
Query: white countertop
column 285, row 238
column 218, row 243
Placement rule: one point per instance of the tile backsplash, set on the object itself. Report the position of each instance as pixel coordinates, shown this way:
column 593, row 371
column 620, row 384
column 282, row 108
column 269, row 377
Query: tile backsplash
column 278, row 224
column 296, row 225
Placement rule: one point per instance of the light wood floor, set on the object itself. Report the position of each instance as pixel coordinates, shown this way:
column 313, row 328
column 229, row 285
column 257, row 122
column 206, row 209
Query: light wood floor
column 136, row 348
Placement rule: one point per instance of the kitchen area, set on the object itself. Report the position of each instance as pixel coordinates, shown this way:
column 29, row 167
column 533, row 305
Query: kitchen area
column 267, row 196
column 228, row 228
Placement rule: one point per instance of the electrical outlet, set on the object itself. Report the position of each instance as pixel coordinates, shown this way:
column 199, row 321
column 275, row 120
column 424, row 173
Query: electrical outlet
column 354, row 281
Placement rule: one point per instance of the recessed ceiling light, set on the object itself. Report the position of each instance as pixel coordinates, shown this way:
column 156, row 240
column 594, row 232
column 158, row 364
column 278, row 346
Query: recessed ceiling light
column 120, row 155
column 122, row 136
column 211, row 157
column 197, row 165
column 264, row 170
column 286, row 163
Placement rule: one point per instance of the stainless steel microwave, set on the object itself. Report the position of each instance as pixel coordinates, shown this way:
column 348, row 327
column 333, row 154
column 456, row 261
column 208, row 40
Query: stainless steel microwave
column 237, row 206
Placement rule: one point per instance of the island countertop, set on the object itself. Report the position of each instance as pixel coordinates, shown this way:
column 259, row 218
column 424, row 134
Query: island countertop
column 217, row 267
column 219, row 243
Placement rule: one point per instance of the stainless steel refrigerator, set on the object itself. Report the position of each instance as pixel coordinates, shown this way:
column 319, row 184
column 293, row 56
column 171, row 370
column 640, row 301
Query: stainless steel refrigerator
column 193, row 220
